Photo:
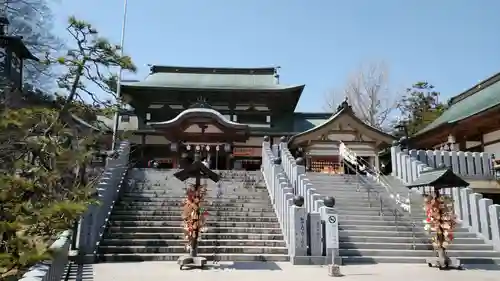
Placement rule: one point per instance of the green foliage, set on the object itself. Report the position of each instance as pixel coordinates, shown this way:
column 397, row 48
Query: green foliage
column 90, row 61
column 46, row 154
column 43, row 189
column 421, row 105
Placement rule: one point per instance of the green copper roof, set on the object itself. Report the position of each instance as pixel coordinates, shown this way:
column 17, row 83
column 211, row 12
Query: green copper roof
column 211, row 78
column 473, row 104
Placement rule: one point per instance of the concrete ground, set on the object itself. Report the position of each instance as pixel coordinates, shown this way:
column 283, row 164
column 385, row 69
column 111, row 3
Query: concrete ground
column 161, row 271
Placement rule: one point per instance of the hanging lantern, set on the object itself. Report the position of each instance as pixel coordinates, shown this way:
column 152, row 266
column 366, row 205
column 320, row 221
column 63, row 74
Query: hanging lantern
column 198, row 148
column 188, row 147
column 217, row 148
column 227, row 147
column 207, row 147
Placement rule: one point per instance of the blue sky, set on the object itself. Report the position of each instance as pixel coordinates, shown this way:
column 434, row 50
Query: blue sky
column 451, row 43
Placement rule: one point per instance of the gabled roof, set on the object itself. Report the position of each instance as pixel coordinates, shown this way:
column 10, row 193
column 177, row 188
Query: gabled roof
column 345, row 110
column 438, row 178
column 480, row 98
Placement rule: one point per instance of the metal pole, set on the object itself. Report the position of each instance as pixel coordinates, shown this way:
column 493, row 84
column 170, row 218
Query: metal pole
column 119, row 78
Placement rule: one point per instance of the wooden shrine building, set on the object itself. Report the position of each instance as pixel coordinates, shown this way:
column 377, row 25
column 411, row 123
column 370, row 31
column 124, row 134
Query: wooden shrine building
column 226, row 112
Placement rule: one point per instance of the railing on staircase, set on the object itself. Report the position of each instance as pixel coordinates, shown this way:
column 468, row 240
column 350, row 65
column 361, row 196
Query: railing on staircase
column 476, row 213
column 86, row 236
column 307, row 221
column 397, row 203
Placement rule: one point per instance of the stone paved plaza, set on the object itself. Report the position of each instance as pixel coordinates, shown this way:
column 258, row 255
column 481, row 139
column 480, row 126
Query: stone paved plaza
column 161, row 271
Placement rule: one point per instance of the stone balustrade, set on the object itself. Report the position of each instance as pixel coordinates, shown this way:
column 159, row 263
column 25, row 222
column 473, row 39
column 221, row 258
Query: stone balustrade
column 302, row 214
column 407, row 165
column 91, row 226
column 478, row 214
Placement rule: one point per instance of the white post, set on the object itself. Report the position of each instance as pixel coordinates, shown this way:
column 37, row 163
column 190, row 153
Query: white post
column 119, row 78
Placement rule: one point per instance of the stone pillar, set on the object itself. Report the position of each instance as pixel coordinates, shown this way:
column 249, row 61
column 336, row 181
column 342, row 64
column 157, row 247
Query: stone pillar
column 315, row 238
column 298, row 231
column 474, row 212
column 464, row 196
column 484, row 215
column 494, row 211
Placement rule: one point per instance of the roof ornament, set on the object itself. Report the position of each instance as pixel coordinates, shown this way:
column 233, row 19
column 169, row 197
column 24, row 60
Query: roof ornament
column 344, row 105
column 276, row 74
column 201, row 102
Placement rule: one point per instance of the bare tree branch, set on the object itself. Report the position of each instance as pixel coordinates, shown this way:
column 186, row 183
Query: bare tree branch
column 367, row 90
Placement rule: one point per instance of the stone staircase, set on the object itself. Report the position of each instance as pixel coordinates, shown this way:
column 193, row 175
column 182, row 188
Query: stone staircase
column 371, row 234
column 145, row 225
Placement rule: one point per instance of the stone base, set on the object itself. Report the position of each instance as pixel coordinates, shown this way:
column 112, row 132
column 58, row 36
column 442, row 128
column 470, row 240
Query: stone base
column 190, row 261
column 452, row 264
column 334, row 270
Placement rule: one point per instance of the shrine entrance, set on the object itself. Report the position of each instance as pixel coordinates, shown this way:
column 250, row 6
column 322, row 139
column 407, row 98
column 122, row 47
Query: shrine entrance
column 201, row 129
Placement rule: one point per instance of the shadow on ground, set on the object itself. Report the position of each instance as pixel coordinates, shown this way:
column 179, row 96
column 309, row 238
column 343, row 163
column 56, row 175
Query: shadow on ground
column 79, row 272
column 271, row 266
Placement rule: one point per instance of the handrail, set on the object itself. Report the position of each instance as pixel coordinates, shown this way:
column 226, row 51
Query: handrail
column 404, row 203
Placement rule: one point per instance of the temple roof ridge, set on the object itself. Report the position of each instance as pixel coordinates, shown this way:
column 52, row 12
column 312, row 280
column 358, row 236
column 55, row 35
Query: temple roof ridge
column 271, row 70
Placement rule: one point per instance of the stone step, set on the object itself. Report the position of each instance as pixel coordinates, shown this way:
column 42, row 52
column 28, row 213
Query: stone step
column 352, row 260
column 208, row 208
column 403, row 222
column 201, row 249
column 417, row 253
column 179, row 229
column 360, row 227
column 211, row 219
column 212, row 204
column 223, row 199
column 375, row 217
column 177, row 213
column 372, row 212
column 218, row 224
column 210, row 257
column 202, row 242
column 118, row 234
column 400, row 233
column 403, row 240
column 132, row 196
column 181, row 191
column 409, row 246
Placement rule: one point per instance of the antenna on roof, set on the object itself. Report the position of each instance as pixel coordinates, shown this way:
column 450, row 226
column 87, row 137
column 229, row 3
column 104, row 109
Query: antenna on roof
column 276, row 74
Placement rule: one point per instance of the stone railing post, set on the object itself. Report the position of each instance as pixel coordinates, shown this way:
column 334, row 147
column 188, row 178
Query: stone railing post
column 315, row 241
column 484, row 215
column 329, row 218
column 494, row 211
column 298, row 231
column 474, row 212
column 464, row 195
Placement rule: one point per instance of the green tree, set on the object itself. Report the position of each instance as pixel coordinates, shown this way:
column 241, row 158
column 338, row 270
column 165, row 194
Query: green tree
column 45, row 153
column 420, row 106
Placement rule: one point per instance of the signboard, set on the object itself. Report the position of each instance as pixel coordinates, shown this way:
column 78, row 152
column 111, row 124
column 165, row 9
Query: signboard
column 332, row 231
column 247, row 151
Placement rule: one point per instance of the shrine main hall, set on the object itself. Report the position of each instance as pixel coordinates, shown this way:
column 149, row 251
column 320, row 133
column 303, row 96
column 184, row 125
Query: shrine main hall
column 226, row 112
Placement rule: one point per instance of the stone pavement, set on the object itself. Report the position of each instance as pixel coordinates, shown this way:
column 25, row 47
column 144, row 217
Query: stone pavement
column 161, row 271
